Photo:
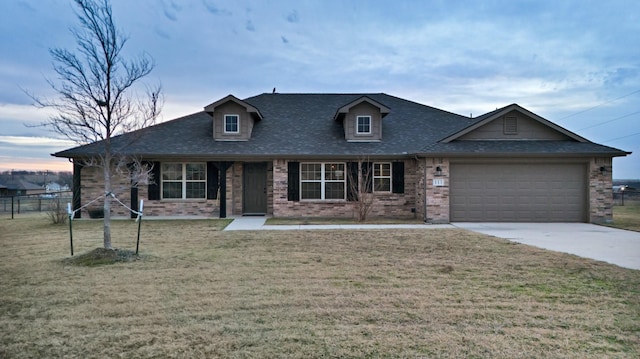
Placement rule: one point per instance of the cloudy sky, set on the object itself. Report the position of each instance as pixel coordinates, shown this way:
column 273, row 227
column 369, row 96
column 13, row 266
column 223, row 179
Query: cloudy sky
column 576, row 63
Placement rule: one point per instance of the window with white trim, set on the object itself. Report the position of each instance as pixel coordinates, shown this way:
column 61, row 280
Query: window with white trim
column 231, row 123
column 382, row 177
column 322, row 181
column 363, row 125
column 184, row 180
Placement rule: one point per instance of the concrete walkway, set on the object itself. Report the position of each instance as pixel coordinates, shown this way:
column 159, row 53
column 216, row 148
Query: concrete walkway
column 611, row 245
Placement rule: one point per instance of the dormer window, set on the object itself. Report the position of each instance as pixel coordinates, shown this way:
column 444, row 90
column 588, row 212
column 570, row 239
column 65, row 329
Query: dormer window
column 363, row 125
column 231, row 123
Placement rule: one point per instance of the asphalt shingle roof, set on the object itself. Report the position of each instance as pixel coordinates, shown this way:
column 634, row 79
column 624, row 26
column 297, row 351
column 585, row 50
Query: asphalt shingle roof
column 303, row 125
column 19, row 184
column 520, row 147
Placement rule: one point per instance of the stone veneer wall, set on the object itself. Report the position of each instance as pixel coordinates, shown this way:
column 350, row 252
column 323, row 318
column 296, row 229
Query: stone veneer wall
column 420, row 189
column 234, row 189
column 600, row 191
column 270, row 194
column 391, row 205
column 437, row 197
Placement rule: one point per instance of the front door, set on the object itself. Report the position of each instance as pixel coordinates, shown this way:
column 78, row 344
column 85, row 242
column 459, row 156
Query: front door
column 254, row 197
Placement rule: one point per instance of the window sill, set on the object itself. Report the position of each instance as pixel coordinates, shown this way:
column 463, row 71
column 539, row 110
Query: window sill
column 323, row 201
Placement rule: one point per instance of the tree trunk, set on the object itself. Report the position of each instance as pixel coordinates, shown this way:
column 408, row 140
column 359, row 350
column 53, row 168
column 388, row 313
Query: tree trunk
column 107, row 205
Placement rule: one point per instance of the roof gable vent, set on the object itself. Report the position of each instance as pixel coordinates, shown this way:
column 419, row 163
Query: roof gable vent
column 510, row 126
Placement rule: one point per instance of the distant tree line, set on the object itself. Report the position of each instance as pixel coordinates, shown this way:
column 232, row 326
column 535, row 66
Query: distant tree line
column 38, row 177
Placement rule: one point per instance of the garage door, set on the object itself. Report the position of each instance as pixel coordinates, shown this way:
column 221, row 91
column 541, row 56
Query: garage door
column 533, row 192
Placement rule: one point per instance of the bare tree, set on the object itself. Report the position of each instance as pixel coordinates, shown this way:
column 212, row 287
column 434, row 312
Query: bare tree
column 360, row 182
column 96, row 94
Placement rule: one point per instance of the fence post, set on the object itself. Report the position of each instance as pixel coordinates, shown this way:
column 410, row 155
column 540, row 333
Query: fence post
column 139, row 224
column 12, row 207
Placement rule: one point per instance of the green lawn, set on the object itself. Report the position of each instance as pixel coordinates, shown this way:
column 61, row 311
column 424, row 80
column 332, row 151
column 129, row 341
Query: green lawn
column 200, row 292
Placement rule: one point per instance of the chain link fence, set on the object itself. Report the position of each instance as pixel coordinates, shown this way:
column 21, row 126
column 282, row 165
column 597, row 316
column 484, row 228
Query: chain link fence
column 38, row 202
column 627, row 197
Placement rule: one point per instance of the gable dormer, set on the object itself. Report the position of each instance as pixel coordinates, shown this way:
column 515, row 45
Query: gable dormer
column 233, row 119
column 513, row 123
column 362, row 120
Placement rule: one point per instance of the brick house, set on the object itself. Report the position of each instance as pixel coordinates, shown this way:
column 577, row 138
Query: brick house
column 297, row 155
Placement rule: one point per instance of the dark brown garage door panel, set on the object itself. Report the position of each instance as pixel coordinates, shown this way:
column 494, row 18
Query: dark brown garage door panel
column 533, row 192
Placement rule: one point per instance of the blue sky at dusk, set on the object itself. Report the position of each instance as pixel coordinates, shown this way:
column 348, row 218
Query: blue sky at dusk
column 575, row 63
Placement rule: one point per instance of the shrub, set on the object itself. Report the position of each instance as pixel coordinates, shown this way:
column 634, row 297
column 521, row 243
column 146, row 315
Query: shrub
column 96, row 212
column 57, row 212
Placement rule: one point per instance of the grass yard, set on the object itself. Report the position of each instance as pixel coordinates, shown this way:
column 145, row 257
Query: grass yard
column 627, row 216
column 200, row 292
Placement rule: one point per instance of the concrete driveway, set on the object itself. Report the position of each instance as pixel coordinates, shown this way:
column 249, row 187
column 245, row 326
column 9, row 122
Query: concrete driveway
column 606, row 244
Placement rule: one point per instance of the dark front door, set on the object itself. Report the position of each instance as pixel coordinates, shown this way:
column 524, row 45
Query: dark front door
column 254, row 198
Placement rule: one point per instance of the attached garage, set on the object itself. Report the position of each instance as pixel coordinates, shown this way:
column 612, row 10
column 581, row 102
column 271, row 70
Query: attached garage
column 518, row 192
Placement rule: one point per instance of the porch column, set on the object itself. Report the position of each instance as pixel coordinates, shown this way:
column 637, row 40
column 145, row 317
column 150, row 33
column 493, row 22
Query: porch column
column 76, row 199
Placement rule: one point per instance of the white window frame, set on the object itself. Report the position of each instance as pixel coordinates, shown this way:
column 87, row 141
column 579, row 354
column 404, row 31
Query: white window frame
column 323, row 181
column 358, row 132
column 224, row 125
column 374, row 177
column 183, row 180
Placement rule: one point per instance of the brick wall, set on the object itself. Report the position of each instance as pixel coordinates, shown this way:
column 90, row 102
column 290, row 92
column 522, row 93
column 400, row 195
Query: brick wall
column 600, row 190
column 437, row 197
column 93, row 187
column 235, row 189
column 390, row 205
column 385, row 204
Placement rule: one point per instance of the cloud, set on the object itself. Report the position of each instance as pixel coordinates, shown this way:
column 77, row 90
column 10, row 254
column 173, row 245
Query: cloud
column 16, row 117
column 171, row 10
column 8, row 163
column 35, row 141
column 293, row 17
column 215, row 10
column 463, row 57
column 170, row 15
column 249, row 26
column 26, row 5
column 161, row 33
column 29, row 153
column 621, row 75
